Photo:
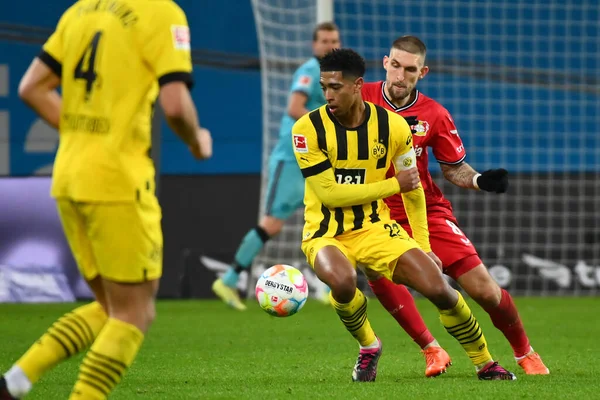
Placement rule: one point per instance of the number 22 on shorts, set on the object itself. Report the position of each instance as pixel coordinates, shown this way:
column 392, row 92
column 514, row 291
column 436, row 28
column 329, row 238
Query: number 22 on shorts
column 393, row 229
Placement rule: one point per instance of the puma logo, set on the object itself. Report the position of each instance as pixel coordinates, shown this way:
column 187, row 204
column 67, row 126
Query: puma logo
column 397, row 309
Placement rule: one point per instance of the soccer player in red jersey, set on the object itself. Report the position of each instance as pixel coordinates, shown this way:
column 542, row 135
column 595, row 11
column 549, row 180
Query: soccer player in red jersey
column 433, row 126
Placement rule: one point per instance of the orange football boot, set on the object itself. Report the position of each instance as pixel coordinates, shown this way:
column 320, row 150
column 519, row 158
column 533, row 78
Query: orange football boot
column 532, row 364
column 437, row 360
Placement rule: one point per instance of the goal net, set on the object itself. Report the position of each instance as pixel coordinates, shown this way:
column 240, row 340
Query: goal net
column 284, row 29
column 522, row 84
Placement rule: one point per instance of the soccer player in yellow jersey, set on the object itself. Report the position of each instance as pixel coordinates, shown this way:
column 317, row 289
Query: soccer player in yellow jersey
column 112, row 60
column 344, row 149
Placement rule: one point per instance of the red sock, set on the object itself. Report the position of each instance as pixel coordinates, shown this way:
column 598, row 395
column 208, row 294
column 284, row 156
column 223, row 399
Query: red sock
column 506, row 318
column 398, row 301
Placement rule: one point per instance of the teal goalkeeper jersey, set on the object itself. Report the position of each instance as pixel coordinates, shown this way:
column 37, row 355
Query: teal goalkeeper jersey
column 306, row 80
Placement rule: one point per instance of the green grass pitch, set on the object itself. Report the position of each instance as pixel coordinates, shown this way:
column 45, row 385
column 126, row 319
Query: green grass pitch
column 202, row 350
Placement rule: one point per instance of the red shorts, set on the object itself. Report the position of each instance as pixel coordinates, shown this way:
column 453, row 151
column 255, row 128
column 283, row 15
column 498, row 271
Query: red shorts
column 449, row 243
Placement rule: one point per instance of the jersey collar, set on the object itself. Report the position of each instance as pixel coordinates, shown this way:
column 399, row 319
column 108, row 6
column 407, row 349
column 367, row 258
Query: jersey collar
column 336, row 122
column 397, row 109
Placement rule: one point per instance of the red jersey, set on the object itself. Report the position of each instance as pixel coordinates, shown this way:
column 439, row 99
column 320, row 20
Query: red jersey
column 432, row 126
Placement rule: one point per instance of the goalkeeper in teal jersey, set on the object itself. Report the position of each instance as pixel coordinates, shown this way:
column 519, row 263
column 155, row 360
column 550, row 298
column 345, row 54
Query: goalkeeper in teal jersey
column 285, row 192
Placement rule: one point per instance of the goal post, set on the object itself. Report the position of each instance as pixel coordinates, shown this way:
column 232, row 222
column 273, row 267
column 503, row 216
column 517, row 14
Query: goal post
column 324, row 10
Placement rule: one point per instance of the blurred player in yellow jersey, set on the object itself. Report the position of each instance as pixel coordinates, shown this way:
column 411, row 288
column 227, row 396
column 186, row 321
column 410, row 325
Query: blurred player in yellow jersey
column 344, row 149
column 112, row 60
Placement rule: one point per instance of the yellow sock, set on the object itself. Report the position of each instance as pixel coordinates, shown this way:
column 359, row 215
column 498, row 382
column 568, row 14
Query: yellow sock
column 354, row 317
column 460, row 323
column 111, row 354
column 72, row 333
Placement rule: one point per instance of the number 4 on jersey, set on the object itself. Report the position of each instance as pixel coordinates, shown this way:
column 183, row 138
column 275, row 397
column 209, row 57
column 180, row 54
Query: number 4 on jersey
column 89, row 74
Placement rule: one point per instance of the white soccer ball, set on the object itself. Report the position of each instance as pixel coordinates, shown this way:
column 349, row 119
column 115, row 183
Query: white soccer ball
column 281, row 290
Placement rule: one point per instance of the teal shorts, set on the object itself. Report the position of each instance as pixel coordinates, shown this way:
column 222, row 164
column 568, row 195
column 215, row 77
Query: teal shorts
column 285, row 191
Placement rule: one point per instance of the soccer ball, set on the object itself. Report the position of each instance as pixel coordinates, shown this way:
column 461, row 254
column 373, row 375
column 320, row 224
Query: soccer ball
column 281, row 290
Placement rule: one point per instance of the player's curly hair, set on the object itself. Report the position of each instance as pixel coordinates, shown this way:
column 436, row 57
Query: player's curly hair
column 349, row 62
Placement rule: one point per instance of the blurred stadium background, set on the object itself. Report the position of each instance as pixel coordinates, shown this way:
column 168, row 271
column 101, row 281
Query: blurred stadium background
column 523, row 84
column 521, row 80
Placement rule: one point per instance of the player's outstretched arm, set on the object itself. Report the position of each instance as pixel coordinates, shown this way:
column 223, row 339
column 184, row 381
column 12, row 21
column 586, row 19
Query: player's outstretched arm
column 38, row 90
column 463, row 175
column 333, row 194
column 182, row 117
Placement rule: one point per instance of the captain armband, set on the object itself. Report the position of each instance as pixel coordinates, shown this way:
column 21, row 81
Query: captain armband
column 406, row 161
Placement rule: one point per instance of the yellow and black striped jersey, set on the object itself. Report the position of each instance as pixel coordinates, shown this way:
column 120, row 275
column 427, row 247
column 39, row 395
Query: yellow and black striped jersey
column 345, row 169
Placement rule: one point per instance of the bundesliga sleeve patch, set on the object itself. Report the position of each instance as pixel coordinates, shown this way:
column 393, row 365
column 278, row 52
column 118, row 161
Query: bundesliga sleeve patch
column 304, row 81
column 300, row 145
column 181, row 37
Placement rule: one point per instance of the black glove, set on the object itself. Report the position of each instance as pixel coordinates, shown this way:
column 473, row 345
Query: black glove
column 493, row 180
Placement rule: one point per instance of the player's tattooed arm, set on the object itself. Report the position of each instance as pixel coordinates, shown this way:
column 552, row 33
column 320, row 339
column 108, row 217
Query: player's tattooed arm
column 461, row 174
